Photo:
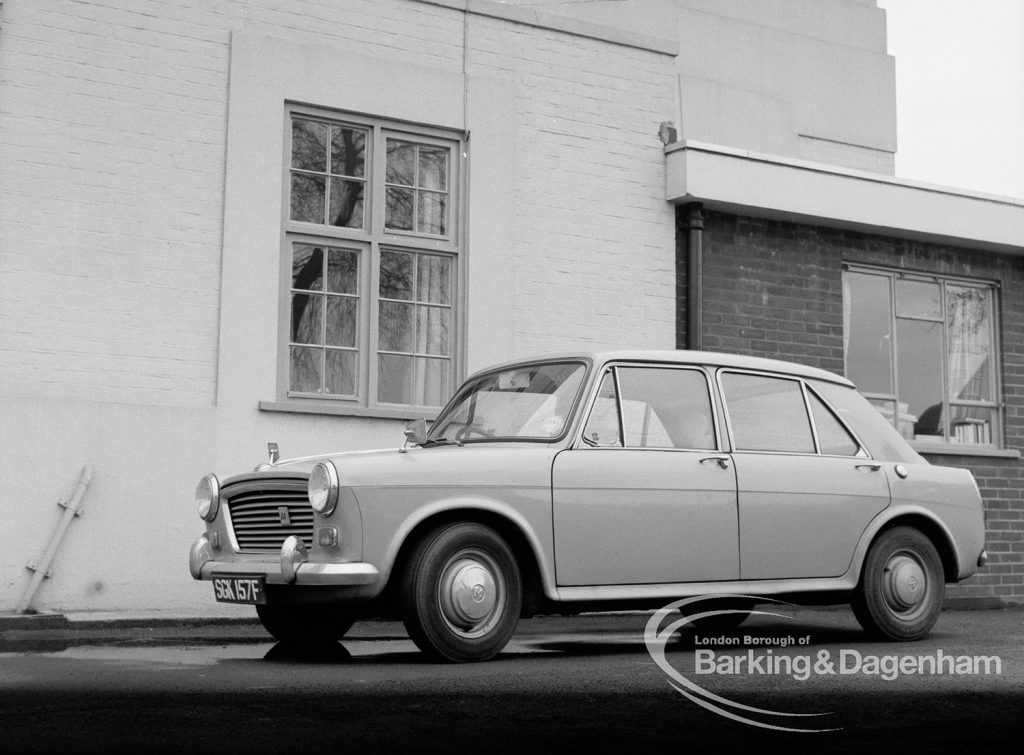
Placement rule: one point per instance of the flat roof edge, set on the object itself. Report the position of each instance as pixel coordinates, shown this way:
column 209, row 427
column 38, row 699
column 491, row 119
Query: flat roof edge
column 802, row 191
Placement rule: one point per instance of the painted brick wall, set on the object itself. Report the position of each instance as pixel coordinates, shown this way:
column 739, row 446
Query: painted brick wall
column 593, row 233
column 114, row 121
column 774, row 289
column 113, row 118
column 113, row 142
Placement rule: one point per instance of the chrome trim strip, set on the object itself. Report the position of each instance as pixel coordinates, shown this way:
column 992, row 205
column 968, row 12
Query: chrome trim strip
column 687, row 589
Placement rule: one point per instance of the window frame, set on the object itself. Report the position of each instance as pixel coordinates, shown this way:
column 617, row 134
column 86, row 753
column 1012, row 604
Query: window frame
column 371, row 241
column 995, row 405
column 612, row 369
column 806, row 391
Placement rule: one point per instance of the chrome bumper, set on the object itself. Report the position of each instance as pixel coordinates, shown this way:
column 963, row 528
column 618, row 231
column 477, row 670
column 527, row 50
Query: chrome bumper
column 293, row 567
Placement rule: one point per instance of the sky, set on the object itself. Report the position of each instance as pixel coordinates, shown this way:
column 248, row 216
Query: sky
column 959, row 92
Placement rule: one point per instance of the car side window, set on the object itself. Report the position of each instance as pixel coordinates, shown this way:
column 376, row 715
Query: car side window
column 833, row 438
column 660, row 408
column 603, row 425
column 767, row 413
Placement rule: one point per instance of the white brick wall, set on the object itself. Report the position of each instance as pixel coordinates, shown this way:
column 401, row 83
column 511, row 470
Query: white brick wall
column 595, row 240
column 112, row 147
column 113, row 141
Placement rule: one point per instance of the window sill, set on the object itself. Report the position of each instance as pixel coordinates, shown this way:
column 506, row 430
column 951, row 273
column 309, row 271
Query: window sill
column 962, row 449
column 340, row 410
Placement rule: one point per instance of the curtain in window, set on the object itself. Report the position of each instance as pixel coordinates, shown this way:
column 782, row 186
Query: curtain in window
column 969, row 343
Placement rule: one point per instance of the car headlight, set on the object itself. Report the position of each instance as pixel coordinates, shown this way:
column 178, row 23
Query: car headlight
column 208, row 497
column 323, row 488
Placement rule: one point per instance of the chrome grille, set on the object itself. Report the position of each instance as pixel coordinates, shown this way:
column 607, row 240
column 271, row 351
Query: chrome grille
column 263, row 517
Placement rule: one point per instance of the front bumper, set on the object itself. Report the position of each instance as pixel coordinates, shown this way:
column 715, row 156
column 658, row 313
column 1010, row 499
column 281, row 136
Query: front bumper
column 292, row 568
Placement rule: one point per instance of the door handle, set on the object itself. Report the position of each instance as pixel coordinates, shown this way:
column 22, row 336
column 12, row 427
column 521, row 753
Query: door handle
column 723, row 460
column 872, row 467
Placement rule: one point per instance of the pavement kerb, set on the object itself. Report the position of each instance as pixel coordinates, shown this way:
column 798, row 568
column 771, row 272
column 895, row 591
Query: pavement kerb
column 112, row 620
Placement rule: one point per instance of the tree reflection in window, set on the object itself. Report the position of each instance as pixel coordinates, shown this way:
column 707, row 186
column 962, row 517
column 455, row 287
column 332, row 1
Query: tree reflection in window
column 324, row 320
column 328, row 173
column 396, row 344
column 417, row 187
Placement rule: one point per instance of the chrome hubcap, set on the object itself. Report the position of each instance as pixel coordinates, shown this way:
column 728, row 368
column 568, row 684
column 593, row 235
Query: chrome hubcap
column 471, row 593
column 904, row 583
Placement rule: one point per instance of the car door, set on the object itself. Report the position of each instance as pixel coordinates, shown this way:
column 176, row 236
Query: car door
column 646, row 497
column 806, row 488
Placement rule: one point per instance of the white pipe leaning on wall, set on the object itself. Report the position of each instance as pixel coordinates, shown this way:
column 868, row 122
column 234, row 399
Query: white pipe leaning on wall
column 41, row 569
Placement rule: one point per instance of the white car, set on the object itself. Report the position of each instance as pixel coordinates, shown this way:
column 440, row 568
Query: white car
column 599, row 481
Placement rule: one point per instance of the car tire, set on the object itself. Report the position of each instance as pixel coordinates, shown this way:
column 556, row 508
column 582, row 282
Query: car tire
column 306, row 625
column 901, row 586
column 462, row 593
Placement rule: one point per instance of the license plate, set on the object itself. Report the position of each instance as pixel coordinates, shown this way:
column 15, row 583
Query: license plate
column 250, row 590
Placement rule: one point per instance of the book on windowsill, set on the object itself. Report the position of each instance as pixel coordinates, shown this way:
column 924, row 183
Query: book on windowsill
column 970, row 430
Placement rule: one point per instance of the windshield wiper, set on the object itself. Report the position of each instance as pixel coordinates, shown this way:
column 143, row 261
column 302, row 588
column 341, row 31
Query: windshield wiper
column 439, row 442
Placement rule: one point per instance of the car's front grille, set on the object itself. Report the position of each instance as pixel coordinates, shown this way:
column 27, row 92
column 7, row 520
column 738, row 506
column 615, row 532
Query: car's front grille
column 263, row 517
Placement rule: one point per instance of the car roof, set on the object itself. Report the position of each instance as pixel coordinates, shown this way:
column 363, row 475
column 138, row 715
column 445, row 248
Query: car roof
column 706, row 358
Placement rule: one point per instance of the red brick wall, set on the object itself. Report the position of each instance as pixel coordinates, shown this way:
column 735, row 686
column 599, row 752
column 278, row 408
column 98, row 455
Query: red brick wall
column 774, row 288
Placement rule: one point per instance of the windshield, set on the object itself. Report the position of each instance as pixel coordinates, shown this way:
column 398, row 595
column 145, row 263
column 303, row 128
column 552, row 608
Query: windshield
column 532, row 402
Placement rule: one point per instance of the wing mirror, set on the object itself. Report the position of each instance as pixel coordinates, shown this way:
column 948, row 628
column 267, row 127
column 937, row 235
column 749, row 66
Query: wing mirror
column 416, row 432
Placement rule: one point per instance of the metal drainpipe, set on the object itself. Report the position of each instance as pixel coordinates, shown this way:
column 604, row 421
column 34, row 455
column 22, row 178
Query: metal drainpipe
column 41, row 569
column 694, row 227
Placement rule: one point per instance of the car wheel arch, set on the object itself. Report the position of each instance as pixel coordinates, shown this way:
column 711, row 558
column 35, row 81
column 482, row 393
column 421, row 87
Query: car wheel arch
column 927, row 525
column 516, row 534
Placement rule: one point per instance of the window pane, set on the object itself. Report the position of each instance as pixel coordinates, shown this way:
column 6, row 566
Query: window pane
column 398, row 210
column 394, row 379
column 434, row 377
column 396, row 273
column 971, row 425
column 432, row 330
column 919, row 346
column 603, row 425
column 346, row 203
column 309, row 145
column 918, row 299
column 348, row 152
column 396, row 326
column 342, row 271
column 431, row 214
column 307, row 198
column 433, row 168
column 341, row 321
column 767, row 414
column 304, row 369
column 665, row 408
column 307, row 318
column 307, row 268
column 867, row 316
column 340, row 378
column 433, row 284
column 969, row 339
column 833, row 438
column 401, row 163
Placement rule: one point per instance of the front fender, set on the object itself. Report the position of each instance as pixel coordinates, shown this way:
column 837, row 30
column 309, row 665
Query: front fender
column 391, row 516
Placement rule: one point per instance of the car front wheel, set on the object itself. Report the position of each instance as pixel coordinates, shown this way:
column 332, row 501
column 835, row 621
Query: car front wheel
column 301, row 624
column 901, row 587
column 462, row 593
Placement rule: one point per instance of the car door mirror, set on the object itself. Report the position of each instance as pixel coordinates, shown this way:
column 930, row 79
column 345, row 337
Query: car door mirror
column 416, row 432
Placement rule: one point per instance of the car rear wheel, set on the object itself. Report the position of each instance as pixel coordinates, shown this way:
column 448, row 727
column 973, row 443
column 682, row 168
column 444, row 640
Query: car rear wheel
column 462, row 593
column 901, row 587
column 301, row 624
